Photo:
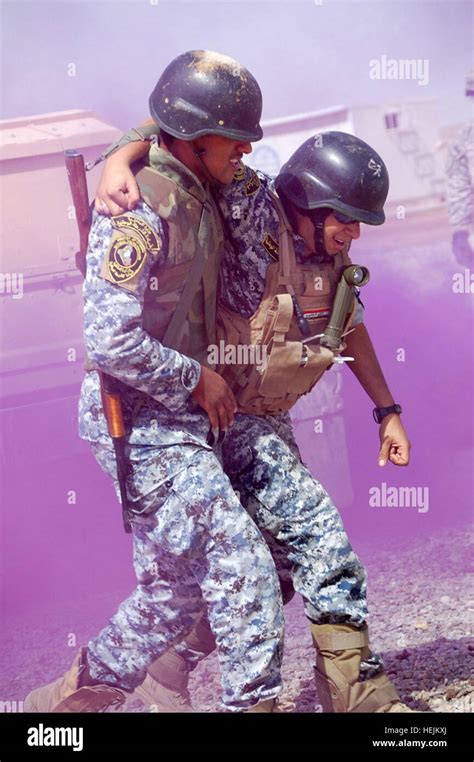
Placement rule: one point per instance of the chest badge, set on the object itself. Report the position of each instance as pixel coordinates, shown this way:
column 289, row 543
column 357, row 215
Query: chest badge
column 318, row 313
column 252, row 185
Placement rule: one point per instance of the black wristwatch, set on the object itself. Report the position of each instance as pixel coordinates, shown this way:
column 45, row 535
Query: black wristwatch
column 379, row 413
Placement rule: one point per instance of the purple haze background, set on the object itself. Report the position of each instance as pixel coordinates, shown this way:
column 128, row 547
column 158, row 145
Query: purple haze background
column 305, row 57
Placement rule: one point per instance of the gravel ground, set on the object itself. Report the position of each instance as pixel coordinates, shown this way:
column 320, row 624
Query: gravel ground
column 421, row 604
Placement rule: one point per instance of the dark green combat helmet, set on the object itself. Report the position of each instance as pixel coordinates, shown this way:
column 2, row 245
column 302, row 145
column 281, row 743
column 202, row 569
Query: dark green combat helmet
column 206, row 93
column 336, row 171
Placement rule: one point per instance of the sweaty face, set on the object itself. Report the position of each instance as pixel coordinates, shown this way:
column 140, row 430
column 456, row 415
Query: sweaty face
column 336, row 234
column 222, row 156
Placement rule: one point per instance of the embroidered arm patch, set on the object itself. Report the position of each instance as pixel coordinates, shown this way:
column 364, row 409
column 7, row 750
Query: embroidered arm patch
column 133, row 241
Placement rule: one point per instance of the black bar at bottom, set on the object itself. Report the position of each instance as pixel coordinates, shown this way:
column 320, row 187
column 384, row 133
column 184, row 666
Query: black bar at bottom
column 91, row 736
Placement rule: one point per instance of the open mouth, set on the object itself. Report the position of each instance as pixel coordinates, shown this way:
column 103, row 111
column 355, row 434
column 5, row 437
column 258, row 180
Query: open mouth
column 339, row 241
column 235, row 163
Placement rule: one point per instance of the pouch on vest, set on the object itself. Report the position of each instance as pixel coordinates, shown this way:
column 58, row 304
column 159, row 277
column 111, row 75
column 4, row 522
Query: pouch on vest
column 284, row 367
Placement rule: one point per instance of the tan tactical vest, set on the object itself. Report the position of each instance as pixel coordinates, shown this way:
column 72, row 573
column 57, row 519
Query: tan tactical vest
column 180, row 301
column 266, row 363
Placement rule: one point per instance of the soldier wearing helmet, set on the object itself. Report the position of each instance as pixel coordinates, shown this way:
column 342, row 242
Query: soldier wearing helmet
column 287, row 244
column 149, row 317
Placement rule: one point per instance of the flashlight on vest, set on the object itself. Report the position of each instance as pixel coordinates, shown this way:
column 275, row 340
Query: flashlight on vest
column 353, row 275
column 301, row 321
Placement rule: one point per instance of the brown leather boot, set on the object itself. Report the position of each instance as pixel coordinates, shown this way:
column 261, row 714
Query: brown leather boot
column 70, row 693
column 340, row 649
column 165, row 688
column 269, row 706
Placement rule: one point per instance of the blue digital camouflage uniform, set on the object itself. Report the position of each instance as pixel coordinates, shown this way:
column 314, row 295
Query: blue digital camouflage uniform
column 190, row 532
column 260, row 455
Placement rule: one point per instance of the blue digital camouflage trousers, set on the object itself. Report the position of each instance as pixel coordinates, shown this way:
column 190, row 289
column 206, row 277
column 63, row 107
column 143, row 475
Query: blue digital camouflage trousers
column 263, row 462
column 194, row 545
column 300, row 523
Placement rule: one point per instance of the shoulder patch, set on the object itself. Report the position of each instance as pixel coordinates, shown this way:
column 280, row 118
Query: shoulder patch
column 271, row 245
column 252, row 185
column 133, row 240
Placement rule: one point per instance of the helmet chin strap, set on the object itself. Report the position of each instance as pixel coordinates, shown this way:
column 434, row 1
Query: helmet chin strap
column 199, row 153
column 318, row 217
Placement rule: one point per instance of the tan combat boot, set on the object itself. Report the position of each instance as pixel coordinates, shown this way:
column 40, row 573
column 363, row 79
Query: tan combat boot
column 66, row 694
column 269, row 706
column 165, row 688
column 340, row 650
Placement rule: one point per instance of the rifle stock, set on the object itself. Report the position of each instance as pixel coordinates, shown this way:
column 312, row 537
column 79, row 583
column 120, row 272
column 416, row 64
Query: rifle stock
column 77, row 182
